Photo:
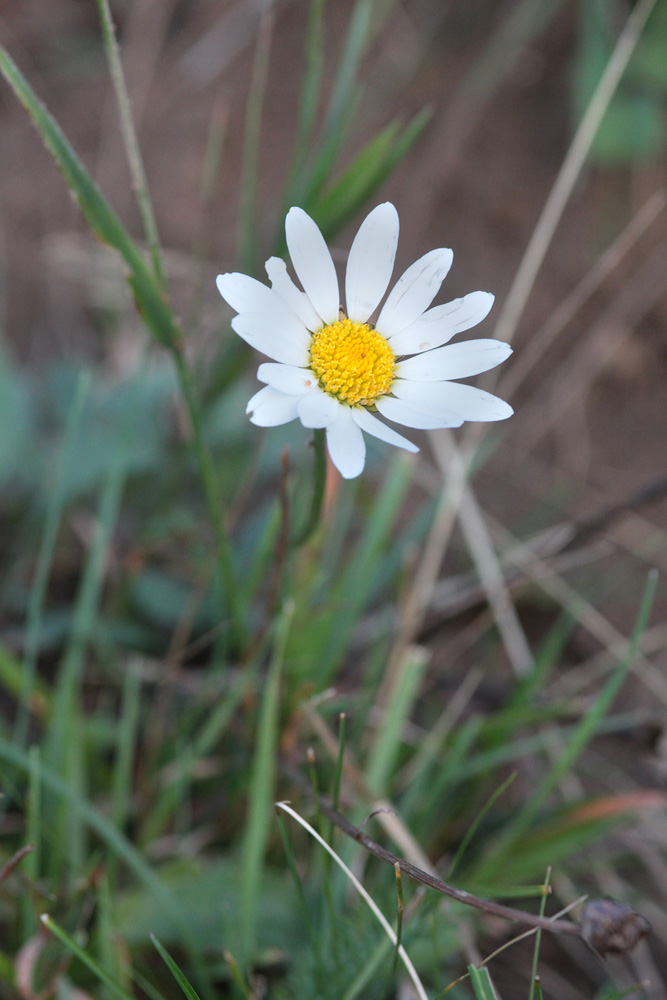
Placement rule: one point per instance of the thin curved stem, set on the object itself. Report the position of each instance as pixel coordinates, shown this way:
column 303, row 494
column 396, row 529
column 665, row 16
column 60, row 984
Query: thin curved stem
column 130, row 140
column 320, row 479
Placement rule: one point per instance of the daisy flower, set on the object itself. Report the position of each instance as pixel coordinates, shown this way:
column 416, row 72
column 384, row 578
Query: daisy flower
column 335, row 369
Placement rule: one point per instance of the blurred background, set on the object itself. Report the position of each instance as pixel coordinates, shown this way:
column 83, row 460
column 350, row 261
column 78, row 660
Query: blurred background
column 493, row 92
column 504, row 83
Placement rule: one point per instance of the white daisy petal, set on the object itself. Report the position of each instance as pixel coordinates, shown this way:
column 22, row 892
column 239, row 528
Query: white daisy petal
column 438, row 325
column 298, row 301
column 415, row 414
column 454, row 361
column 476, row 404
column 347, row 448
column 287, row 378
column 269, row 408
column 317, row 409
column 312, row 263
column 371, row 261
column 414, row 291
column 245, row 294
column 469, row 402
column 372, row 425
column 280, row 337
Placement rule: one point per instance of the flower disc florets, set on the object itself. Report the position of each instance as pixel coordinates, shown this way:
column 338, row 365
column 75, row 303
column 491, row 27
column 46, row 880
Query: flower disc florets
column 352, row 362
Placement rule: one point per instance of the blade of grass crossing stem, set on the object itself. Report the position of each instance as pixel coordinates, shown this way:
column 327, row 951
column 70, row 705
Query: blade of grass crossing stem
column 54, row 510
column 534, row 978
column 261, row 792
column 340, row 760
column 115, row 841
column 583, row 732
column 482, row 987
column 253, row 129
column 97, row 212
column 130, row 140
column 389, row 735
column 177, row 973
column 354, row 588
column 372, row 905
column 83, row 956
column 399, row 922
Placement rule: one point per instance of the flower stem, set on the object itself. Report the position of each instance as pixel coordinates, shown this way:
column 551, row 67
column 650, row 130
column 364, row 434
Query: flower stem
column 226, row 575
column 320, row 478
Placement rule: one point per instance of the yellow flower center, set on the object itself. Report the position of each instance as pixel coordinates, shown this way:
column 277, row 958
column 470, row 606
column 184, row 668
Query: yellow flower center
column 352, row 362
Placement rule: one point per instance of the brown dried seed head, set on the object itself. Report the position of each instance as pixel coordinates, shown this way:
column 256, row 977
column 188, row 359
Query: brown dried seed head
column 612, row 928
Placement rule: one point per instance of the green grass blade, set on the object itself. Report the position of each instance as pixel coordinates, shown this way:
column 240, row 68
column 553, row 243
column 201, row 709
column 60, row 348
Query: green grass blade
column 310, row 89
column 352, row 591
column 130, row 140
column 85, row 613
column 84, row 957
column 361, row 179
column 109, row 834
column 31, row 693
column 176, row 972
column 44, row 560
column 121, row 782
column 261, row 792
column 201, row 743
column 581, row 736
column 534, row 978
column 401, row 698
column 474, row 826
column 348, row 68
column 480, row 981
column 95, row 209
column 112, row 959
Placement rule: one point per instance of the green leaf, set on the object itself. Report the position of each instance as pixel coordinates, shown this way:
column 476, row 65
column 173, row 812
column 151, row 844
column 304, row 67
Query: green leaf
column 370, row 168
column 480, row 981
column 179, row 976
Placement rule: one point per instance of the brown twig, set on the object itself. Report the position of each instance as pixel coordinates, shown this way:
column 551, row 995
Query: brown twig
column 460, row 895
column 15, row 859
column 609, row 927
